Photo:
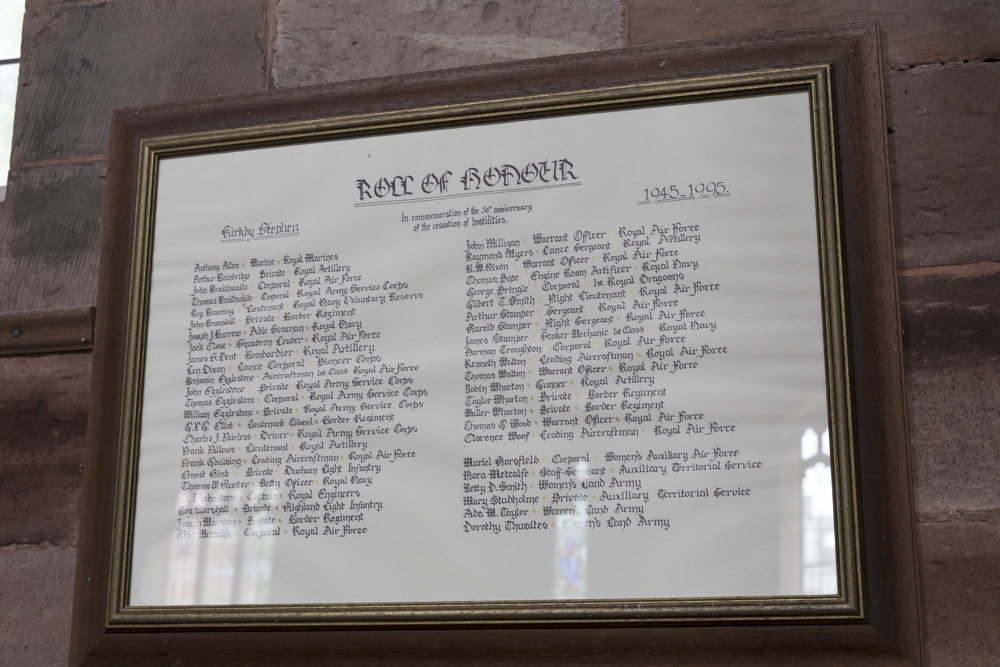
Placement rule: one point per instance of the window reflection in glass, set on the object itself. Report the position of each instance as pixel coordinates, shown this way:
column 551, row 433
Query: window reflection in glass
column 220, row 570
column 182, row 565
column 258, row 553
column 819, row 556
column 571, row 545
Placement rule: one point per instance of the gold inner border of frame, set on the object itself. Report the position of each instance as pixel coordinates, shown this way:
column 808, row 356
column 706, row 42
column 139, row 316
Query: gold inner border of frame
column 847, row 606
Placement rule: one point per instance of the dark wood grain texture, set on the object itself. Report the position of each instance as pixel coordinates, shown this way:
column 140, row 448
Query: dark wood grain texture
column 886, row 475
column 892, row 635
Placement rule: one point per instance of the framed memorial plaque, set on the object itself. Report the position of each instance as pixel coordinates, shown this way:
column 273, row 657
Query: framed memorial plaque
column 574, row 350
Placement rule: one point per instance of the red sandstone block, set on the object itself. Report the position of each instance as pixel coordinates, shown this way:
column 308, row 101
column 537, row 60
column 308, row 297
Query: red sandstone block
column 951, row 315
column 319, row 41
column 961, row 563
column 955, row 435
column 80, row 60
column 50, row 236
column 36, row 601
column 915, row 32
column 43, row 409
column 951, row 341
column 944, row 124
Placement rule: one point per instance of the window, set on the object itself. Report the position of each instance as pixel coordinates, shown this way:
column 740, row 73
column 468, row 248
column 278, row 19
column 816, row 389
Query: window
column 11, row 18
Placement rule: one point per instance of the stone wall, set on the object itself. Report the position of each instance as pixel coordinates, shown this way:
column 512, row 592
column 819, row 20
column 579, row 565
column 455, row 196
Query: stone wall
column 82, row 58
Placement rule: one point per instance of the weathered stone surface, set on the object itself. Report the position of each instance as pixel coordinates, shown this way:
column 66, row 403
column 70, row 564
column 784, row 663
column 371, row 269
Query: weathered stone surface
column 43, row 412
column 36, row 587
column 951, row 315
column 915, row 32
column 951, row 344
column 50, row 236
column 961, row 562
column 320, row 41
column 945, row 143
column 81, row 60
column 955, row 431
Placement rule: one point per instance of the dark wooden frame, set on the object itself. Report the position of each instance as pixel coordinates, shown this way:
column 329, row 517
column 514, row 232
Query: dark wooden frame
column 891, row 623
column 846, row 605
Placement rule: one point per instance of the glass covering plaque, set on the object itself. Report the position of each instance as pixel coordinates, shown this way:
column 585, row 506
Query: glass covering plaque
column 585, row 356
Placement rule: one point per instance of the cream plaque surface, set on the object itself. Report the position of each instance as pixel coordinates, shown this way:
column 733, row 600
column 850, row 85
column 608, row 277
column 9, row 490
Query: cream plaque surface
column 577, row 357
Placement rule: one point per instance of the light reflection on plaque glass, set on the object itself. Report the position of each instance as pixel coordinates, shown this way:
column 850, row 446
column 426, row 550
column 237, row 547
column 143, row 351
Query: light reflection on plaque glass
column 215, row 571
column 819, row 558
column 571, row 542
